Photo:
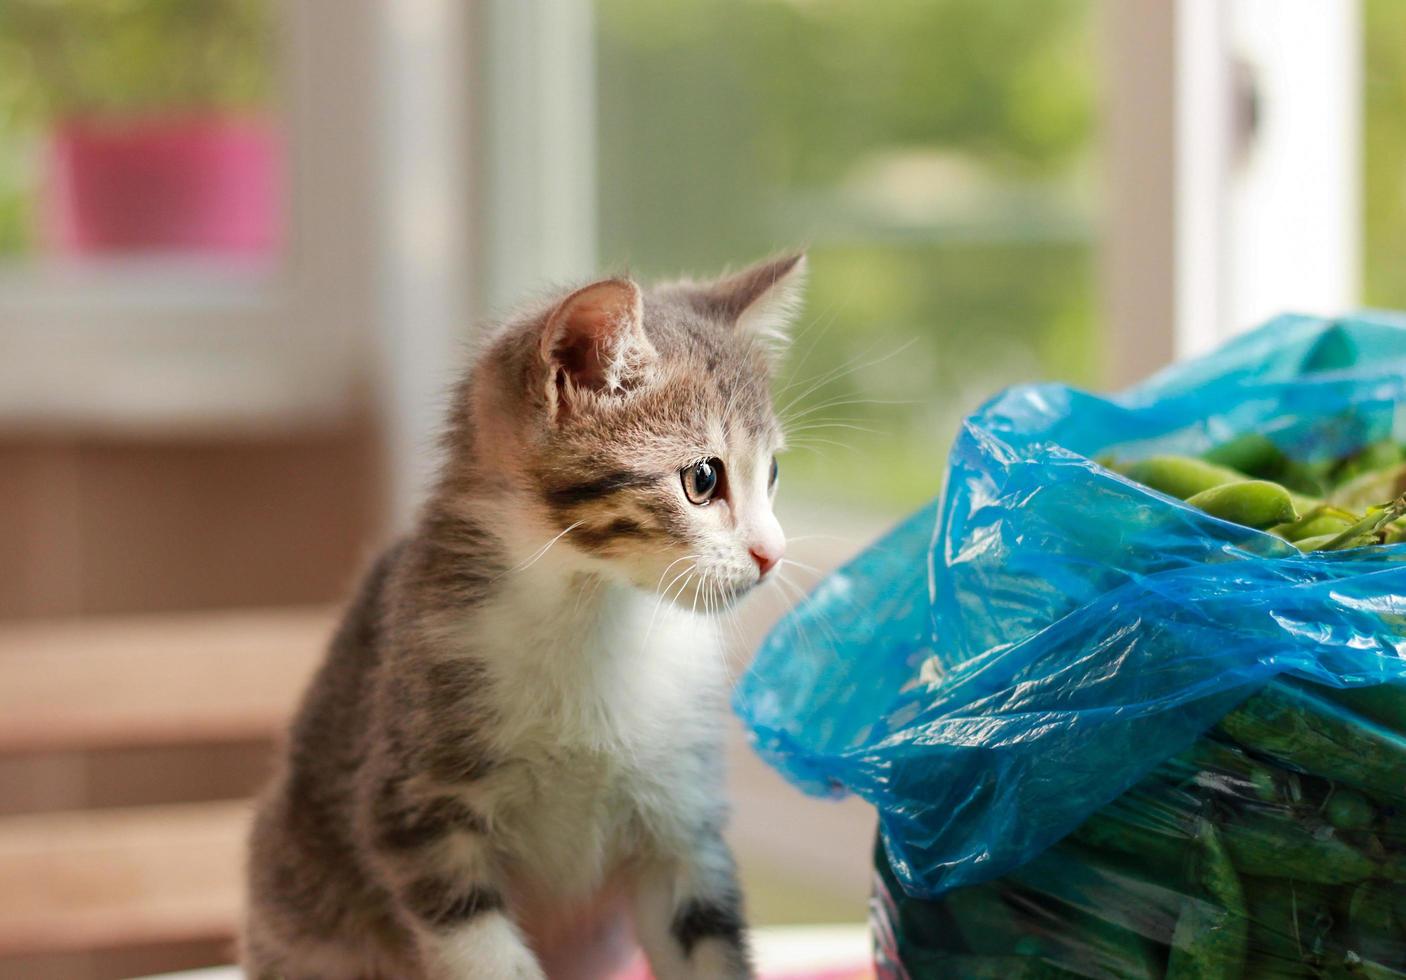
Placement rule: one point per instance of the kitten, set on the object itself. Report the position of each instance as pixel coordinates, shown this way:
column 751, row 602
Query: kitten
column 512, row 754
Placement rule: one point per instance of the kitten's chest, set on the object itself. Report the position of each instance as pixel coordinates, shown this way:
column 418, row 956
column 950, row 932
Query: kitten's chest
column 628, row 679
column 579, row 817
column 615, row 737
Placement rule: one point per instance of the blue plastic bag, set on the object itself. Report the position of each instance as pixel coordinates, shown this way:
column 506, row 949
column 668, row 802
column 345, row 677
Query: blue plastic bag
column 999, row 667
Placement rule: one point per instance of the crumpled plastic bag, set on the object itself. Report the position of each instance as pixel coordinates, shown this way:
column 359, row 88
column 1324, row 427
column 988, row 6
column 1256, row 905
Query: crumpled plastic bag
column 1009, row 660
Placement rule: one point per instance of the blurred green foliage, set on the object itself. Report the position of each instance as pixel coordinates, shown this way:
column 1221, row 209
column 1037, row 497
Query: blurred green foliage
column 98, row 57
column 113, row 58
column 1384, row 154
column 935, row 159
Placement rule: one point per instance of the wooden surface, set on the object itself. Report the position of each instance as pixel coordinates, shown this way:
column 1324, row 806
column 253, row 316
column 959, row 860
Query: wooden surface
column 96, row 526
column 86, row 880
column 174, row 679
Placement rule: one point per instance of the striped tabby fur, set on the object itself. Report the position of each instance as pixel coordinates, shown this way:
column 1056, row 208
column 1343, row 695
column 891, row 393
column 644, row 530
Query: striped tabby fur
column 509, row 765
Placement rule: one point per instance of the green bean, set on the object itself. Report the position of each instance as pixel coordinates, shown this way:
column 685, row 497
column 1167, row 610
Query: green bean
column 1227, row 768
column 973, row 919
column 1321, row 520
column 1253, row 503
column 1370, row 489
column 1392, row 867
column 1375, row 934
column 1332, row 542
column 1105, row 946
column 1263, row 966
column 1393, row 829
column 1186, row 476
column 1275, row 847
column 936, row 964
column 1179, row 476
column 1370, row 526
column 983, row 920
column 1124, row 827
column 1209, row 940
column 1371, row 458
column 1289, row 920
column 1125, row 905
column 1384, row 704
column 1303, row 731
column 1251, row 453
column 1355, row 966
column 1347, row 809
column 1305, row 478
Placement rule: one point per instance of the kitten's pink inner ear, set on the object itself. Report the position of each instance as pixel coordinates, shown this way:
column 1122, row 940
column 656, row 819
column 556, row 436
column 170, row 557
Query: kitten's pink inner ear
column 596, row 336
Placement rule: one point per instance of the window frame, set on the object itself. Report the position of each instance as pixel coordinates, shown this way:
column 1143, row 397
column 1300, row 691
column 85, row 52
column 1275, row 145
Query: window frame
column 1215, row 112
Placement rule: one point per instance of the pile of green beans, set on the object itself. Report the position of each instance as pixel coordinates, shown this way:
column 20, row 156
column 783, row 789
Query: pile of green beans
column 1353, row 502
column 1275, row 846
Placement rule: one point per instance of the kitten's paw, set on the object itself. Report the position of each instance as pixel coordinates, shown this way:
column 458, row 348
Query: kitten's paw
column 717, row 959
column 490, row 949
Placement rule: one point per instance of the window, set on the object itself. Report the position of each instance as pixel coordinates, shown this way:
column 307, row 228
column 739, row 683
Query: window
column 186, row 211
column 936, row 159
column 139, row 129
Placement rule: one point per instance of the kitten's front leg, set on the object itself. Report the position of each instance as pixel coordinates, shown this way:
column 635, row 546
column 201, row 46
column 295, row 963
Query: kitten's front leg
column 434, row 857
column 689, row 918
column 464, row 931
column 489, row 948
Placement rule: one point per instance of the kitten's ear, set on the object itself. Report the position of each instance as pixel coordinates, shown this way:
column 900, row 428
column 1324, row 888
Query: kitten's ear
column 760, row 299
column 594, row 341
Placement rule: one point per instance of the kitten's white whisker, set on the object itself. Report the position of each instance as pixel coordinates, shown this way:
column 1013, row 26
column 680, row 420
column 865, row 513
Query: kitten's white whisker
column 714, row 594
column 824, row 420
column 843, row 402
column 671, row 565
column 536, row 556
column 686, row 571
column 818, row 536
column 660, row 593
column 829, row 318
column 809, row 444
column 702, row 582
column 664, row 595
column 844, row 370
column 821, row 619
column 836, row 424
column 801, row 565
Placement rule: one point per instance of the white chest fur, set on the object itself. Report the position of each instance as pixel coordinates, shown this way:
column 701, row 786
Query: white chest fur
column 609, row 705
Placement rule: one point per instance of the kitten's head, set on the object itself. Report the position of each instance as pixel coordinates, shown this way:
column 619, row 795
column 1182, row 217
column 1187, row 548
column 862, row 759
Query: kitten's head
column 639, row 422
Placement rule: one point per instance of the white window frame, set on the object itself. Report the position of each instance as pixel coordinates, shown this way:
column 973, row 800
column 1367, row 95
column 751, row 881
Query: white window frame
column 157, row 345
column 1213, row 224
column 488, row 193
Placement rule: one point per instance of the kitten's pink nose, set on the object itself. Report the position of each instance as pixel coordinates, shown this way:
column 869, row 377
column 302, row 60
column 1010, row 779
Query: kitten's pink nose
column 766, row 557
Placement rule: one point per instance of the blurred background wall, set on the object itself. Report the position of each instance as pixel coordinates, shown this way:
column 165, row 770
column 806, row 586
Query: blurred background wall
column 243, row 244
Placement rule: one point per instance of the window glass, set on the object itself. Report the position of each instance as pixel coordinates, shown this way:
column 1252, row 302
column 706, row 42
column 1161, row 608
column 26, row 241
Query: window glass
column 936, row 159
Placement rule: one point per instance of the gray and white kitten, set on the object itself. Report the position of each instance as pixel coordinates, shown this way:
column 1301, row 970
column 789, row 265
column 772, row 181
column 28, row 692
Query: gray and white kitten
column 511, row 759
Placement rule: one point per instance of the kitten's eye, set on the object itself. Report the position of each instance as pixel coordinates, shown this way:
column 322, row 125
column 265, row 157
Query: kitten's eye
column 702, row 479
column 775, row 472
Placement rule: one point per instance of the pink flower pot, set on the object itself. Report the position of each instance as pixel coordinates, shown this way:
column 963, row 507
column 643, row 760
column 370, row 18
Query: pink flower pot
column 203, row 183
